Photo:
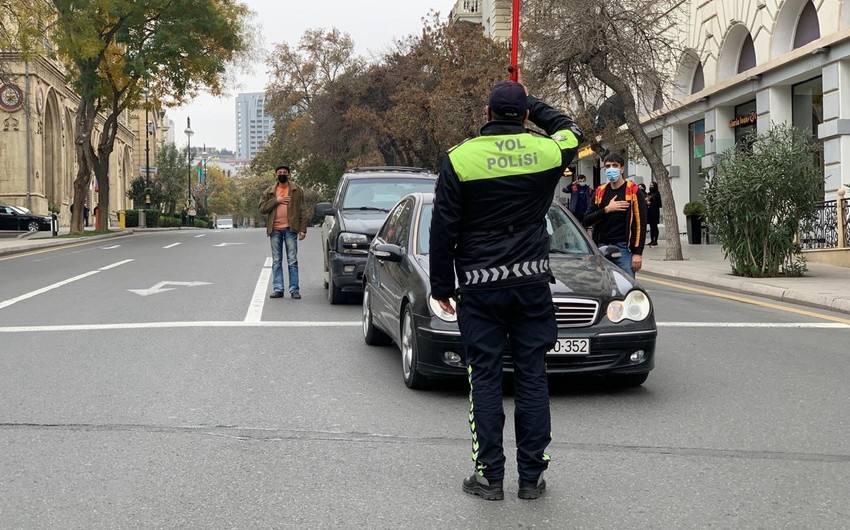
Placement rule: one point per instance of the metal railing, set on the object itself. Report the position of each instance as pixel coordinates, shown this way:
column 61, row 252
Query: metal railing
column 829, row 227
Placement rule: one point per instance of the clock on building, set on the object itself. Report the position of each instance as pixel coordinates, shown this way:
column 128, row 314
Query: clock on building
column 11, row 97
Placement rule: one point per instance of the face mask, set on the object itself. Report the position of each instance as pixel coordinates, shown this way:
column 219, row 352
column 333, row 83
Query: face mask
column 612, row 174
column 582, row 183
column 283, row 178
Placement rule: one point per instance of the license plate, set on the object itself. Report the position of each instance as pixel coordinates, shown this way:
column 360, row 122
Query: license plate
column 571, row 347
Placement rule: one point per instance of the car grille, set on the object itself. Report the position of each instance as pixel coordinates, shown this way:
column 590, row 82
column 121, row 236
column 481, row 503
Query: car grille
column 575, row 312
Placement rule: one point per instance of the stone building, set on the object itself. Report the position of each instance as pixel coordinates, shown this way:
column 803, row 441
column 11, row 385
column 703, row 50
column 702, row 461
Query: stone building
column 37, row 157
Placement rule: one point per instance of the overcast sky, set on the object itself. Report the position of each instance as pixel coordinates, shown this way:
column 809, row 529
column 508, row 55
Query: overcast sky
column 372, row 24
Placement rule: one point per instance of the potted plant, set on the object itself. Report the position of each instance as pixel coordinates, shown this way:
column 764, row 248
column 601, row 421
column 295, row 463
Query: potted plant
column 695, row 213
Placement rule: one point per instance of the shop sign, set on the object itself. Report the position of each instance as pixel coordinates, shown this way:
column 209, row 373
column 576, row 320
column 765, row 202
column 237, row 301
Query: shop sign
column 742, row 121
column 585, row 152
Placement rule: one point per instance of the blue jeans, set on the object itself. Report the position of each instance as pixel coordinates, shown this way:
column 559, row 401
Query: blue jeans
column 625, row 261
column 279, row 238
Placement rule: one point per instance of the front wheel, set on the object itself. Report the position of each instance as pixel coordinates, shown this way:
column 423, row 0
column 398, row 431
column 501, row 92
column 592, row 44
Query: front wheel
column 410, row 353
column 33, row 226
column 335, row 294
column 371, row 334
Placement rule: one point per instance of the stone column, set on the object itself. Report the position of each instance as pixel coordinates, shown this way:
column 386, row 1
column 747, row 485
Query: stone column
column 835, row 129
column 773, row 105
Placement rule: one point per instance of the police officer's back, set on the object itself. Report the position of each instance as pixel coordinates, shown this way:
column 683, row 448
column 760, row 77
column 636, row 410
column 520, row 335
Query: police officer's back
column 489, row 231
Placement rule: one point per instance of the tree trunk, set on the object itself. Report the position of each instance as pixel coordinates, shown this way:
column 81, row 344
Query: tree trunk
column 85, row 155
column 636, row 130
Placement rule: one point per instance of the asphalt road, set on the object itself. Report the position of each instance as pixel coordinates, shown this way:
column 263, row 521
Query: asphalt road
column 209, row 405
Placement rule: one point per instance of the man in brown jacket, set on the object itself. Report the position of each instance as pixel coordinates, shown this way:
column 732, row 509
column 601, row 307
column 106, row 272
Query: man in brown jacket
column 286, row 223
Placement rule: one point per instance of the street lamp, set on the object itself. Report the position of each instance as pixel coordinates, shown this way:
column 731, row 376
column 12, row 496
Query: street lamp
column 146, row 93
column 189, row 132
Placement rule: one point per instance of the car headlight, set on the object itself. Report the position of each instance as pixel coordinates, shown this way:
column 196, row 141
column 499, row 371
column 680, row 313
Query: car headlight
column 438, row 312
column 635, row 307
column 350, row 243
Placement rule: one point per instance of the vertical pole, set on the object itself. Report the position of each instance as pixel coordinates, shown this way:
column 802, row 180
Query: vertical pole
column 29, row 132
column 515, row 41
column 189, row 157
column 842, row 215
column 147, row 154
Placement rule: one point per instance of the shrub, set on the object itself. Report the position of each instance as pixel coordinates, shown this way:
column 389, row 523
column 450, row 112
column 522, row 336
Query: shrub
column 152, row 218
column 758, row 198
column 697, row 208
column 131, row 218
column 169, row 222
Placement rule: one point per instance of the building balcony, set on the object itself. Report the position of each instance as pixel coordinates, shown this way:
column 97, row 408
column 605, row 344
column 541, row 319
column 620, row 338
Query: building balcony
column 467, row 11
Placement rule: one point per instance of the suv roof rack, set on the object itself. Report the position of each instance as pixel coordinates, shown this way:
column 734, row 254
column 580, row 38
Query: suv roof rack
column 404, row 169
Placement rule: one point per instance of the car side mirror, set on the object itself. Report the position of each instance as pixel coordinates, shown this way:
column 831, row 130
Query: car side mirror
column 325, row 208
column 387, row 252
column 611, row 252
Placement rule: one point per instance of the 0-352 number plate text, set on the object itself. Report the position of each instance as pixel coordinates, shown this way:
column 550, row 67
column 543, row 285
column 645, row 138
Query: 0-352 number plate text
column 571, row 347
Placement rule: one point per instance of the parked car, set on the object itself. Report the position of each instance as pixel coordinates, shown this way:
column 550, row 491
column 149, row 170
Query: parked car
column 361, row 202
column 224, row 222
column 606, row 322
column 14, row 218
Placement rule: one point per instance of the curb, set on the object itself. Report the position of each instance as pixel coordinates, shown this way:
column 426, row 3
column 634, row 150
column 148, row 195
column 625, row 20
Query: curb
column 68, row 241
column 743, row 286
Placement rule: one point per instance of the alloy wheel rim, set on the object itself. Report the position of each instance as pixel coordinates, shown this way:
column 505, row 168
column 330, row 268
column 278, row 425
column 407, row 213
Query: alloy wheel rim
column 367, row 313
column 407, row 346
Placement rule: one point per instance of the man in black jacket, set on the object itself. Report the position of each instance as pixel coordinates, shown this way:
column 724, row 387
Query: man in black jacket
column 489, row 231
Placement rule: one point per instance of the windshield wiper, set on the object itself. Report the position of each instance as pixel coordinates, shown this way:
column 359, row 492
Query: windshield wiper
column 366, row 208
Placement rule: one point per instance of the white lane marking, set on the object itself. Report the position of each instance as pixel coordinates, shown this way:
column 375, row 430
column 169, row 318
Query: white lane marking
column 258, row 299
column 812, row 325
column 115, row 265
column 110, row 248
column 227, row 244
column 160, row 287
column 175, row 325
column 202, row 235
column 171, row 245
column 43, row 290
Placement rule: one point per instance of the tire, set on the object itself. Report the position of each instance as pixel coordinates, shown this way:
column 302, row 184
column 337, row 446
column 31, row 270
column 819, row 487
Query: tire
column 33, row 226
column 335, row 294
column 371, row 334
column 410, row 353
column 327, row 273
column 627, row 380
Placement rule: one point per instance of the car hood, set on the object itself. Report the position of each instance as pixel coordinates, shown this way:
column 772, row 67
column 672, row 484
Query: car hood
column 587, row 276
column 362, row 222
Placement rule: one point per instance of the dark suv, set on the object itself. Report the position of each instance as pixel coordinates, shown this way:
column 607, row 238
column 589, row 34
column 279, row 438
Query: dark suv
column 362, row 200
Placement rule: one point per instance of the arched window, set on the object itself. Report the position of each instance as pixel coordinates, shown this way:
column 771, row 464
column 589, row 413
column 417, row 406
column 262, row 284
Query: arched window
column 698, row 82
column 747, row 59
column 808, row 27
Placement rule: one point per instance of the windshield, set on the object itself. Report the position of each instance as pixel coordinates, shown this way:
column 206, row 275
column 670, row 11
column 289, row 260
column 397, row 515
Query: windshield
column 565, row 234
column 381, row 193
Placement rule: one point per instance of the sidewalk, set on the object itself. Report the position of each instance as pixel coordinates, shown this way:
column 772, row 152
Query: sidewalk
column 822, row 286
column 40, row 240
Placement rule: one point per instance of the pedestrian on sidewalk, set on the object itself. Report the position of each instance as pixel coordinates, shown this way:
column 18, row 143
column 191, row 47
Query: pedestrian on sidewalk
column 191, row 212
column 287, row 216
column 489, row 214
column 653, row 212
column 85, row 214
column 618, row 215
column 580, row 194
column 184, row 216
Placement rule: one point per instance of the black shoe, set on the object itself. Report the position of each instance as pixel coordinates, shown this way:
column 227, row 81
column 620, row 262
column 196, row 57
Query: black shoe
column 296, row 296
column 276, row 294
column 478, row 485
column 532, row 491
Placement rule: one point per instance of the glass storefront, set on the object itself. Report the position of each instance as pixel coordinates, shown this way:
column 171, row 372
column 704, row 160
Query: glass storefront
column 807, row 113
column 745, row 124
column 696, row 148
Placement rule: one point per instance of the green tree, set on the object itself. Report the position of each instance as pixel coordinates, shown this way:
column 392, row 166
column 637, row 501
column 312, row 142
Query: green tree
column 114, row 48
column 222, row 194
column 172, row 174
column 23, row 24
column 759, row 198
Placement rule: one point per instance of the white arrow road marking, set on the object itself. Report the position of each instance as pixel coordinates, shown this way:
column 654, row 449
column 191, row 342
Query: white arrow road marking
column 160, row 287
column 171, row 245
column 258, row 300
column 227, row 244
column 110, row 248
column 12, row 301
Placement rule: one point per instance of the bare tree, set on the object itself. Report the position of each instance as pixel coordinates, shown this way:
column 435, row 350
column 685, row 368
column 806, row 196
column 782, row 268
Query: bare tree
column 587, row 48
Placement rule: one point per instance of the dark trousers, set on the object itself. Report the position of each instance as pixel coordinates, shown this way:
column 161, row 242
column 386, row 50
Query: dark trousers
column 525, row 316
column 653, row 233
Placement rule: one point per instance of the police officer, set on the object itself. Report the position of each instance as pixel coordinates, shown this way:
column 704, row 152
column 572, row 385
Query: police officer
column 488, row 231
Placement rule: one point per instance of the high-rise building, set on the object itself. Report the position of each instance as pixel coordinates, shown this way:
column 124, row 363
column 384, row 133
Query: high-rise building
column 253, row 125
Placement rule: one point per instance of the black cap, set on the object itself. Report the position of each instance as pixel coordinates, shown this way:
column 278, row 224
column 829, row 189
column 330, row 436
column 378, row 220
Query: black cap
column 508, row 99
column 282, row 166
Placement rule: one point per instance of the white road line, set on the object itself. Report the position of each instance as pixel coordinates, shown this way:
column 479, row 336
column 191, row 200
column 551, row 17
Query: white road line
column 176, row 325
column 43, row 290
column 202, row 235
column 813, row 325
column 258, row 299
column 171, row 245
column 115, row 265
column 110, row 248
